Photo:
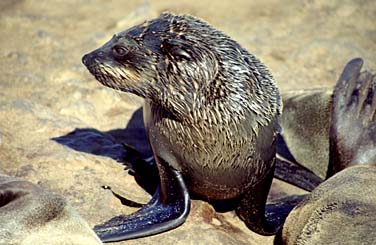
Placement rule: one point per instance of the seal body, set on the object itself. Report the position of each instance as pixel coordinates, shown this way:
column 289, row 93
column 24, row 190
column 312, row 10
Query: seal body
column 217, row 161
column 211, row 108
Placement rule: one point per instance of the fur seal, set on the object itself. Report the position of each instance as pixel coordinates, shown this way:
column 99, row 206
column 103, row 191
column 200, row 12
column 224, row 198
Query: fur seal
column 31, row 215
column 211, row 114
column 341, row 209
column 305, row 123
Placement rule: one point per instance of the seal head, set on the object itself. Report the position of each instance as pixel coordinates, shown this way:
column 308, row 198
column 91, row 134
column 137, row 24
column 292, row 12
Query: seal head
column 184, row 64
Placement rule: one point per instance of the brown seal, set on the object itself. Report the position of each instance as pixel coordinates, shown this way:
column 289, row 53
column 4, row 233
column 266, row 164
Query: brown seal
column 341, row 209
column 211, row 114
column 31, row 215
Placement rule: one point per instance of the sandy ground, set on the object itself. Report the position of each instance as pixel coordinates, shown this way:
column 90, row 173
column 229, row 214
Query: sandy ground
column 46, row 93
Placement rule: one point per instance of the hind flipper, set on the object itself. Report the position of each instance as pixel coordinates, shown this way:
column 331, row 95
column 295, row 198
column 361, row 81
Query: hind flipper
column 353, row 125
column 297, row 175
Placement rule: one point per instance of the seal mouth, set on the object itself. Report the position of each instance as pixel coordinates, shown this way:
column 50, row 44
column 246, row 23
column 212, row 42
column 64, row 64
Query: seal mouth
column 117, row 78
column 104, row 76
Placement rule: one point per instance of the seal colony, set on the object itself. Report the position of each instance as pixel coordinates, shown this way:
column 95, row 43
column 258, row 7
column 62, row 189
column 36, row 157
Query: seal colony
column 211, row 115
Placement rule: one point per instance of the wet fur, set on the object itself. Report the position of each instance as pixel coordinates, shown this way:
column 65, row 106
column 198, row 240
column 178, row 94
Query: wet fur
column 214, row 105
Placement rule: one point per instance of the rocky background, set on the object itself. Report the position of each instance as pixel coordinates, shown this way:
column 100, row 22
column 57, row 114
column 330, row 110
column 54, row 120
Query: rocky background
column 62, row 130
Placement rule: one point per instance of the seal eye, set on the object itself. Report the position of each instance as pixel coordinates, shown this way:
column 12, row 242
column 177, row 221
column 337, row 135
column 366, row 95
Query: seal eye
column 119, row 51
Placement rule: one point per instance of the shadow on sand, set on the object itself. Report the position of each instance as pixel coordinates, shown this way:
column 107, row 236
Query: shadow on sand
column 128, row 146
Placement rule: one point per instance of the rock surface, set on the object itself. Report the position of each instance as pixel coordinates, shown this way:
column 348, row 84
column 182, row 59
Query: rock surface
column 63, row 131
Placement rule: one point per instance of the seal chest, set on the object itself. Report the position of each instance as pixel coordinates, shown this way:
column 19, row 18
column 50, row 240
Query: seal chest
column 217, row 161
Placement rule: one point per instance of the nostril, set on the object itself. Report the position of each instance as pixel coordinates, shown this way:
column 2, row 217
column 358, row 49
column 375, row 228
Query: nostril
column 85, row 59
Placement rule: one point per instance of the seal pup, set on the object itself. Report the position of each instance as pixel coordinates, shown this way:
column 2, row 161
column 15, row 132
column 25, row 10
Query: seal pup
column 211, row 115
column 342, row 209
column 31, row 215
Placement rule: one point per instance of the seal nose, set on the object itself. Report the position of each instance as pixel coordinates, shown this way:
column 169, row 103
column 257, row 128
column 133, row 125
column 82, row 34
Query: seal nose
column 85, row 59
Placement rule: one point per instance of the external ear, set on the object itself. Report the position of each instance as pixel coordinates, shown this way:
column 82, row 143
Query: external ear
column 176, row 49
column 180, row 52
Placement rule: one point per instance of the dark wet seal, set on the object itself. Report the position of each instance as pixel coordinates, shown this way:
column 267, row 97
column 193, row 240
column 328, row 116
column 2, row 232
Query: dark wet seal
column 211, row 114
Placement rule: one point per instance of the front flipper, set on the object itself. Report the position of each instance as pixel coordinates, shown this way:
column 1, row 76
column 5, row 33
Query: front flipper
column 159, row 215
column 145, row 171
column 261, row 218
